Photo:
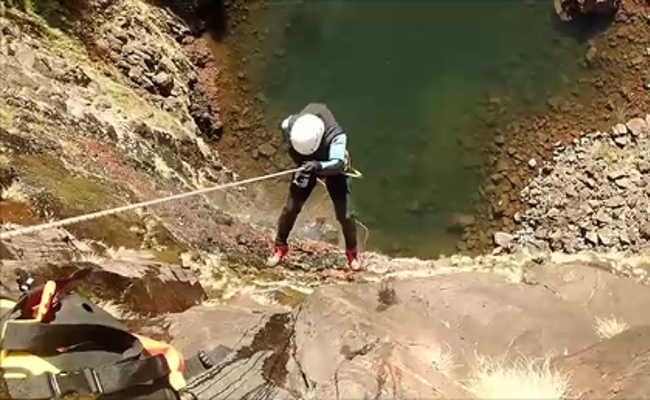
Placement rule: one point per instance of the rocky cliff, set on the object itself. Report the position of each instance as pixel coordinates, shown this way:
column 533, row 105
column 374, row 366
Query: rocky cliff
column 102, row 104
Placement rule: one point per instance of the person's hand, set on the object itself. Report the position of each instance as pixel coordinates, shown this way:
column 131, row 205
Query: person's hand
column 311, row 167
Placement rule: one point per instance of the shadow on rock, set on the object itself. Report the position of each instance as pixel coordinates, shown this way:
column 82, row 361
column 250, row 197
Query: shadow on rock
column 201, row 15
column 583, row 27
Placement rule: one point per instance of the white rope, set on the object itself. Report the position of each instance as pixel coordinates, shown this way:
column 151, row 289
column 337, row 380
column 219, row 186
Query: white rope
column 104, row 213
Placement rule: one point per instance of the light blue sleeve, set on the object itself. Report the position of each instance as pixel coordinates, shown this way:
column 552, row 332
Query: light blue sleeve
column 337, row 154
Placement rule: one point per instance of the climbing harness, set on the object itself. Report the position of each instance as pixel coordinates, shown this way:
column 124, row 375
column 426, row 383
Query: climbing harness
column 57, row 344
column 104, row 213
column 354, row 173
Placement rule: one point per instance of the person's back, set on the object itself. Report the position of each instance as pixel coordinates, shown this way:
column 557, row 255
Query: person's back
column 319, row 145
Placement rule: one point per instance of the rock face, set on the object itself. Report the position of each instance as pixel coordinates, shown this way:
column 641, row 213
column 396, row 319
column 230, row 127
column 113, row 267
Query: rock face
column 259, row 337
column 412, row 338
column 127, row 277
column 105, row 113
column 503, row 239
column 407, row 324
column 614, row 369
column 568, row 10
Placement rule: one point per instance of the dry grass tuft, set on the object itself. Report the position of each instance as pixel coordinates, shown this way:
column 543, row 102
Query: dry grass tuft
column 609, row 327
column 92, row 258
column 162, row 168
column 117, row 311
column 443, row 360
column 524, row 379
column 15, row 192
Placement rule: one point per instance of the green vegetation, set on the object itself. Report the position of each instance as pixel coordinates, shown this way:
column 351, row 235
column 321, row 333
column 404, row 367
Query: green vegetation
column 74, row 195
column 289, row 297
column 608, row 152
column 39, row 20
column 171, row 255
column 7, row 115
column 77, row 193
column 136, row 108
column 172, row 251
column 42, row 8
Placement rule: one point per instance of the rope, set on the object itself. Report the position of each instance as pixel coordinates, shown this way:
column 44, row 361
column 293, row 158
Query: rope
column 356, row 219
column 367, row 233
column 104, row 213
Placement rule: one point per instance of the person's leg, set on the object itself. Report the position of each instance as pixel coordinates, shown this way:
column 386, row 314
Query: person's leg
column 295, row 201
column 339, row 191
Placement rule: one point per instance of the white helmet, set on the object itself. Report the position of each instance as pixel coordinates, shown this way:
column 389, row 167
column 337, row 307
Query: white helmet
column 306, row 134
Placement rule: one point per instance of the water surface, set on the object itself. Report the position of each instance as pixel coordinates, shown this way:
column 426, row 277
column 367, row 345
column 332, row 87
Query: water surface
column 411, row 83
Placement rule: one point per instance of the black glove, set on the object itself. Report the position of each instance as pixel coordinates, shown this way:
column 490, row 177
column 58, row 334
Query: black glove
column 311, row 167
column 301, row 178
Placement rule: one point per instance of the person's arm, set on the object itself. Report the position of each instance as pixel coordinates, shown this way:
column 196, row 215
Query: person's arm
column 336, row 163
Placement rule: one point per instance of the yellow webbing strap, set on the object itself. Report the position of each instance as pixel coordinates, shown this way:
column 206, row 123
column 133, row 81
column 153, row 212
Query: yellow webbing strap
column 174, row 359
column 26, row 361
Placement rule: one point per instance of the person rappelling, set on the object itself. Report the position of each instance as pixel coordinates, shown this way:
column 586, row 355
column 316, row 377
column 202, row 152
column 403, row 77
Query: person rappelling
column 319, row 145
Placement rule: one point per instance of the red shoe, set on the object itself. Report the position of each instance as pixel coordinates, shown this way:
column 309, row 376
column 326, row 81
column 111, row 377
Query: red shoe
column 278, row 255
column 354, row 263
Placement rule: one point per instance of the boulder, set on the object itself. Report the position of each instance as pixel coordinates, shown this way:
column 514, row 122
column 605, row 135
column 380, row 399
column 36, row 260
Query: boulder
column 621, row 140
column 164, row 83
column 592, row 55
column 503, row 239
column 459, row 222
column 614, row 202
column 619, row 129
column 603, row 217
column 623, row 183
column 568, row 10
column 643, row 166
column 267, row 149
column 637, row 126
column 592, row 238
column 617, row 174
column 208, row 326
column 605, row 237
column 644, row 230
column 25, row 55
